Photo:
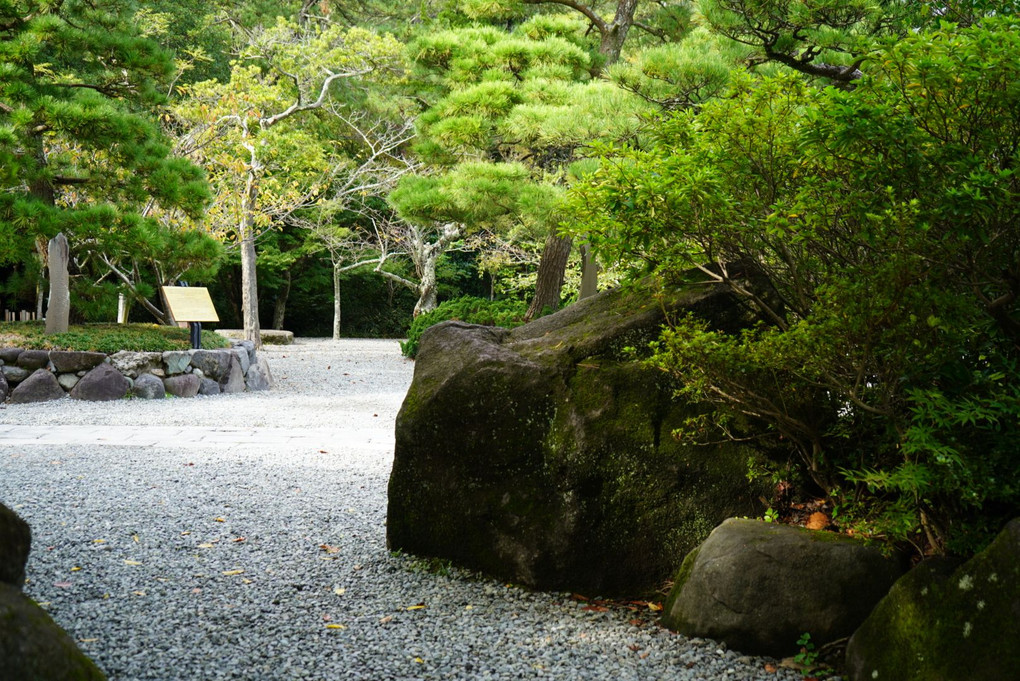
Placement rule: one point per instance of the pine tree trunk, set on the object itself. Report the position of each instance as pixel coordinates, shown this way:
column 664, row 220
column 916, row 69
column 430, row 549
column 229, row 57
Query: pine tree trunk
column 280, row 307
column 612, row 40
column 551, row 270
column 336, row 303
column 250, row 293
column 428, row 289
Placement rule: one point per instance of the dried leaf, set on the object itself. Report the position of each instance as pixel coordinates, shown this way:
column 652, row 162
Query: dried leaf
column 595, row 608
column 339, row 591
column 771, row 668
column 230, row 573
column 98, row 541
column 205, row 546
column 335, row 626
column 329, row 548
column 75, row 569
column 135, row 537
column 817, row 521
column 132, row 562
column 238, row 540
column 221, row 520
column 655, row 607
column 384, row 620
column 420, row 606
column 419, row 660
column 87, row 640
column 62, row 585
column 138, row 593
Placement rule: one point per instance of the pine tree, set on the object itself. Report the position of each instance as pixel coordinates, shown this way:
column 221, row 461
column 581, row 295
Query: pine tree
column 79, row 152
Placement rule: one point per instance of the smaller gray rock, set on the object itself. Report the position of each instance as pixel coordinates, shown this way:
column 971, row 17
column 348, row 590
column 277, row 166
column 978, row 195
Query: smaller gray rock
column 242, row 357
column 33, row 359
column 182, row 385
column 259, row 377
column 41, row 386
column 214, row 363
column 10, row 355
column 132, row 364
column 197, row 372
column 233, row 380
column 14, row 374
column 176, row 361
column 15, row 542
column 148, row 387
column 249, row 347
column 68, row 381
column 5, row 388
column 65, row 361
column 102, row 384
column 758, row 586
column 209, row 387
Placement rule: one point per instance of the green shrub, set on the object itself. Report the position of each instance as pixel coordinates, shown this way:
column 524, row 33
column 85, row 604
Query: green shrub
column 108, row 338
column 505, row 313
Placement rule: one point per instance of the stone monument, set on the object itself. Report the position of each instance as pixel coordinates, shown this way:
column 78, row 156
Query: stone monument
column 59, row 307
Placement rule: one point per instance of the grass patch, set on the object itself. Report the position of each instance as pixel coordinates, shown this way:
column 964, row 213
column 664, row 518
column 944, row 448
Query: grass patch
column 107, row 338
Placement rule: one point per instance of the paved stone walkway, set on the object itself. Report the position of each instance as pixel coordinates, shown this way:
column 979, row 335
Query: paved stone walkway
column 184, row 436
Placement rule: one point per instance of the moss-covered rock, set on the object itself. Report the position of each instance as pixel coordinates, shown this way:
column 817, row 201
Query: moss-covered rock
column 759, row 586
column 544, row 455
column 15, row 542
column 34, row 648
column 946, row 621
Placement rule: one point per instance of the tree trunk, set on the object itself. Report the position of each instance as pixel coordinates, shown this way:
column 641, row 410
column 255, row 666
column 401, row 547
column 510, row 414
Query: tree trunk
column 336, row 302
column 615, row 35
column 280, row 307
column 589, row 273
column 247, row 232
column 250, row 292
column 428, row 288
column 551, row 269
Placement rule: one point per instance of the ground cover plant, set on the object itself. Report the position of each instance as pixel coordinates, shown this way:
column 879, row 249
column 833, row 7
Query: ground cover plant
column 107, row 338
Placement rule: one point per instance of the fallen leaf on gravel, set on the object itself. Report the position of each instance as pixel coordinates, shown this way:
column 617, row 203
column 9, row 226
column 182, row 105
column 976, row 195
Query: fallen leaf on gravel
column 339, row 591
column 246, row 581
column 419, row 660
column 643, row 655
column 132, row 562
column 637, row 623
column 87, row 640
column 196, row 590
column 771, row 668
column 329, row 548
column 138, row 593
column 220, row 520
column 420, row 606
column 238, row 540
column 98, row 541
column 335, row 626
column 323, row 451
column 595, row 608
column 230, row 573
column 384, row 620
column 655, row 607
column 205, row 546
column 75, row 569
column 135, row 537
column 183, row 534
column 62, row 585
column 635, row 647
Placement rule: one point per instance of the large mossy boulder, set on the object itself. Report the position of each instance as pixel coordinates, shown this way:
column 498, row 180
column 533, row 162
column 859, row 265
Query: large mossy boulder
column 545, row 455
column 946, row 621
column 759, row 586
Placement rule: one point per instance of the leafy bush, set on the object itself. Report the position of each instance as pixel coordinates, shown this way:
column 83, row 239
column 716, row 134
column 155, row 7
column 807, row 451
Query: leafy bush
column 505, row 313
column 874, row 232
column 107, row 338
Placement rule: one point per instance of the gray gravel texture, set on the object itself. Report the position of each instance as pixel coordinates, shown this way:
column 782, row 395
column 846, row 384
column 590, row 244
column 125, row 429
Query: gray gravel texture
column 271, row 563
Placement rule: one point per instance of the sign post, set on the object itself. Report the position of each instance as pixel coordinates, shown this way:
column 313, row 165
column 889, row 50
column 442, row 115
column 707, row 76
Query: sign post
column 191, row 304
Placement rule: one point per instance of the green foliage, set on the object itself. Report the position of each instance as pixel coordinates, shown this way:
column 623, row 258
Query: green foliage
column 108, row 338
column 505, row 313
column 874, row 234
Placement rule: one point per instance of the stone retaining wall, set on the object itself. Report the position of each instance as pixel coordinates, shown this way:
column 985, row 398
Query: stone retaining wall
column 42, row 375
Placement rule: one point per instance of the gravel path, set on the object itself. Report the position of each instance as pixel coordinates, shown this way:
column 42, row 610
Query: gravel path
column 270, row 562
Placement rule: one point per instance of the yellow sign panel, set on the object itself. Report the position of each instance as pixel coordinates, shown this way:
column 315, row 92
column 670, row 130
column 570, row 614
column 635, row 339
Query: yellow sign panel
column 190, row 303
